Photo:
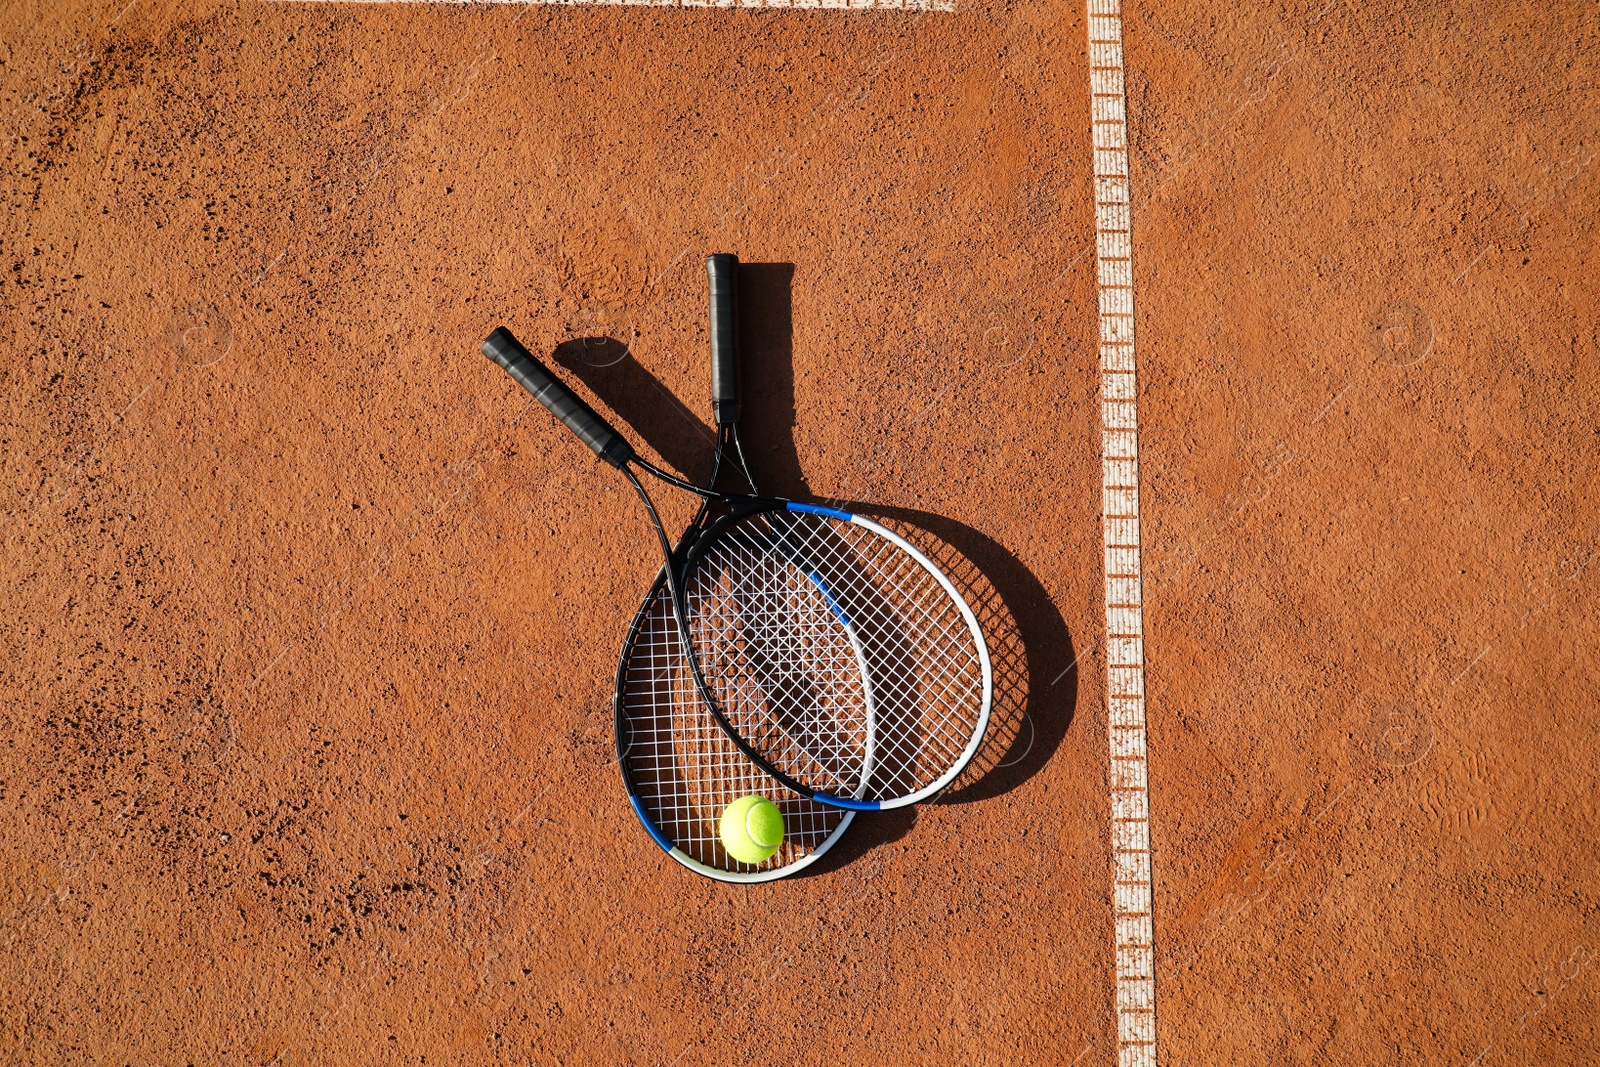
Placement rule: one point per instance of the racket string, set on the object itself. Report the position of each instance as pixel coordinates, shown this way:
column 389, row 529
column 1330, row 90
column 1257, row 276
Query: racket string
column 685, row 770
column 894, row 670
column 759, row 639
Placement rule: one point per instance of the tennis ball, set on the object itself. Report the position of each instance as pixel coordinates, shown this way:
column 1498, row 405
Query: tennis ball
column 752, row 829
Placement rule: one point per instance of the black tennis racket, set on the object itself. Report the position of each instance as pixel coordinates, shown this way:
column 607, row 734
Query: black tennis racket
column 832, row 653
column 680, row 769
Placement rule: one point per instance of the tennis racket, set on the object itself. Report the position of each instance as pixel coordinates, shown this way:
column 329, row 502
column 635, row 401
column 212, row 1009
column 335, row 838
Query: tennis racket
column 679, row 768
column 832, row 653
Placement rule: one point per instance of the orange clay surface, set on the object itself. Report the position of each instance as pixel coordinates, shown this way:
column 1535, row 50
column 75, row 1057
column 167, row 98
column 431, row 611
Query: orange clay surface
column 309, row 621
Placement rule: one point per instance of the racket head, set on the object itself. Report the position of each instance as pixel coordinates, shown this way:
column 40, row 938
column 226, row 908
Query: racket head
column 680, row 769
column 838, row 652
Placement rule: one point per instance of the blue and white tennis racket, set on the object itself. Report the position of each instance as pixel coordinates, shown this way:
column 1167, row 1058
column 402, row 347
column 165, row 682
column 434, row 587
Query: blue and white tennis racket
column 832, row 653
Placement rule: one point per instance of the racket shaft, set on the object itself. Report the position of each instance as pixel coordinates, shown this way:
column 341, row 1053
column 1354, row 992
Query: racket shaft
column 562, row 402
column 722, row 272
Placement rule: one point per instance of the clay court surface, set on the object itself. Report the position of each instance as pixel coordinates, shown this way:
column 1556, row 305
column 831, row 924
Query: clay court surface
column 310, row 621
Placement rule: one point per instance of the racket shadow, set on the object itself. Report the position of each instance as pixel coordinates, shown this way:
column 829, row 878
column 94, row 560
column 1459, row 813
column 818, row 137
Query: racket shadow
column 1032, row 655
column 1030, row 650
column 607, row 367
column 766, row 336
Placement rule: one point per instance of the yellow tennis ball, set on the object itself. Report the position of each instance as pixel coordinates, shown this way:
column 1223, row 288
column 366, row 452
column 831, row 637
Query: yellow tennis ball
column 752, row 829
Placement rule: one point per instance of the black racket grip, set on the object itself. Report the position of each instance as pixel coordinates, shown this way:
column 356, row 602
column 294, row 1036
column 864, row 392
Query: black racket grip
column 553, row 393
column 722, row 271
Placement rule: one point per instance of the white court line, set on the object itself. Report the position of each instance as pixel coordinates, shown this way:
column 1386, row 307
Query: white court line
column 1119, row 439
column 830, row 5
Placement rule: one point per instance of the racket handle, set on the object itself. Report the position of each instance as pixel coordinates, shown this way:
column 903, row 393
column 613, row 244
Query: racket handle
column 722, row 271
column 553, row 393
